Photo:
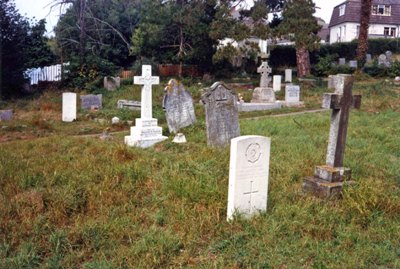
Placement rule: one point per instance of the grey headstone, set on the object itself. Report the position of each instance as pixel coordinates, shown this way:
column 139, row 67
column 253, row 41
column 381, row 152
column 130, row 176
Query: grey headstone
column 6, row 115
column 112, row 83
column 91, row 101
column 292, row 93
column 353, row 64
column 368, row 58
column 222, row 120
column 178, row 105
column 389, row 55
column 129, row 104
column 342, row 61
column 383, row 60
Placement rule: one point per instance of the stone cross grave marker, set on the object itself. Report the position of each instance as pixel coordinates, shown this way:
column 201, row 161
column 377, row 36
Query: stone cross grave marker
column 178, row 105
column 147, row 80
column 288, row 75
column 222, row 119
column 248, row 175
column 277, row 82
column 145, row 133
column 68, row 106
column 328, row 179
column 264, row 70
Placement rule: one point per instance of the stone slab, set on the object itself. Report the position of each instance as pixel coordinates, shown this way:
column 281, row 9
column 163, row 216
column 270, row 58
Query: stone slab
column 6, row 115
column 91, row 101
column 332, row 174
column 246, row 107
column 263, row 95
column 129, row 104
column 323, row 189
column 248, row 176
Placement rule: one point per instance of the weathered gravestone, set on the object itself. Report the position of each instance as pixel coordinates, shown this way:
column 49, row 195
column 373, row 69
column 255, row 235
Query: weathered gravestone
column 68, row 106
column 277, row 81
column 6, row 115
column 331, row 82
column 248, row 175
column 292, row 95
column 264, row 94
column 112, row 83
column 383, row 61
column 353, row 64
column 342, row 61
column 178, row 105
column 222, row 120
column 368, row 58
column 91, row 101
column 129, row 104
column 145, row 133
column 389, row 55
column 328, row 180
column 288, row 75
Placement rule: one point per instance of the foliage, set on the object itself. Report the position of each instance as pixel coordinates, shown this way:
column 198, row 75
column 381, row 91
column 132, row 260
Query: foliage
column 324, row 65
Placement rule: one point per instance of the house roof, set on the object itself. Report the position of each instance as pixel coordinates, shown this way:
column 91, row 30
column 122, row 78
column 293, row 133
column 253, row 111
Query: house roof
column 353, row 13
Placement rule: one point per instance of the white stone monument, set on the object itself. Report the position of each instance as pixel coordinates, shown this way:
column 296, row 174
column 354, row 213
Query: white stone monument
column 277, row 82
column 292, row 96
column 248, row 175
column 68, row 106
column 145, row 133
column 288, row 75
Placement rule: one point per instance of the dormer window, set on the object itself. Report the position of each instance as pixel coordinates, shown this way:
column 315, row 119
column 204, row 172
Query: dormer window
column 342, row 10
column 381, row 10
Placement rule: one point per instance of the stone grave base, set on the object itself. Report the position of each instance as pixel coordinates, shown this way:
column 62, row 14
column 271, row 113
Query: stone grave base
column 245, row 107
column 263, row 95
column 129, row 104
column 145, row 134
column 327, row 181
column 293, row 104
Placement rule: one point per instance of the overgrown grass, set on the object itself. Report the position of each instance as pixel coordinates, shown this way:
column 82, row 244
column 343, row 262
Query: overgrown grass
column 78, row 202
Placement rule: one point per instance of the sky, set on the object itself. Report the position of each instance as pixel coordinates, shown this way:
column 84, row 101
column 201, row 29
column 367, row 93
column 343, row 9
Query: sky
column 41, row 9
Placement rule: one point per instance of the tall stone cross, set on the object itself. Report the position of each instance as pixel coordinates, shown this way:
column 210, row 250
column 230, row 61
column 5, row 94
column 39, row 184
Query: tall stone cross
column 341, row 101
column 147, row 81
column 264, row 70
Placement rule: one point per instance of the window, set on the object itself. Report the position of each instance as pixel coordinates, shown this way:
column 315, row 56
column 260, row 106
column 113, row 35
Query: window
column 381, row 10
column 389, row 31
column 342, row 10
column 358, row 31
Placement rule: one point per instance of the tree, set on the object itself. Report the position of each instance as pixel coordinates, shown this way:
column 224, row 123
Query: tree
column 362, row 47
column 301, row 26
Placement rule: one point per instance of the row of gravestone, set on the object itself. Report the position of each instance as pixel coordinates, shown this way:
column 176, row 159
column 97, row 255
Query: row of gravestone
column 384, row 59
column 69, row 104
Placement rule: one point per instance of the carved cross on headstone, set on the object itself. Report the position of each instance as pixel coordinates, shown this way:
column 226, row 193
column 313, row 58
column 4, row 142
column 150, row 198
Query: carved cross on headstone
column 340, row 102
column 250, row 193
column 264, row 70
column 147, row 81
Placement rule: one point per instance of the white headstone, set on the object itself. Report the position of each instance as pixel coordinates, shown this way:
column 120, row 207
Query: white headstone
column 68, row 106
column 292, row 93
column 288, row 75
column 277, row 81
column 145, row 133
column 248, row 175
column 353, row 64
column 342, row 61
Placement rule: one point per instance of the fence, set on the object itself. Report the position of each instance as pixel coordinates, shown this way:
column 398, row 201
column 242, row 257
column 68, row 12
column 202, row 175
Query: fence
column 47, row 73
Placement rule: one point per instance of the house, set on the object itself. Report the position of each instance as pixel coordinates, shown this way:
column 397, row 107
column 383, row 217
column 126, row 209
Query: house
column 345, row 20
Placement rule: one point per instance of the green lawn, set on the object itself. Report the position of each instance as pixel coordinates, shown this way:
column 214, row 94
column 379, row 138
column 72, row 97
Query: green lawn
column 79, row 202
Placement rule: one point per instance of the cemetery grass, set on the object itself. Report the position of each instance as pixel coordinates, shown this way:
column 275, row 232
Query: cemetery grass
column 78, row 202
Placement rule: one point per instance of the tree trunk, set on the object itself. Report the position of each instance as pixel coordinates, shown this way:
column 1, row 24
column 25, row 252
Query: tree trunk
column 82, row 36
column 303, row 62
column 362, row 47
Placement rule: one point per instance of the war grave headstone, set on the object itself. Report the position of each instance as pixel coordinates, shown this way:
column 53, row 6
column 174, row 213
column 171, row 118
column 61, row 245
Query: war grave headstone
column 91, row 101
column 328, row 179
column 222, row 119
column 6, row 115
column 248, row 175
column 69, row 106
column 129, row 104
column 263, row 96
column 277, row 83
column 178, row 105
column 342, row 61
column 353, row 64
column 288, row 75
column 112, row 83
column 292, row 96
column 145, row 133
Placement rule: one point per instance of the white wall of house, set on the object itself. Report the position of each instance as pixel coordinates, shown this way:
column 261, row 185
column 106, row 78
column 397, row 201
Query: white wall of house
column 346, row 32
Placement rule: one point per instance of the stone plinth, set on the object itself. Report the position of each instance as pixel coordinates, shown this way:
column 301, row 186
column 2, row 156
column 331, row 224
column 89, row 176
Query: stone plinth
column 145, row 134
column 263, row 95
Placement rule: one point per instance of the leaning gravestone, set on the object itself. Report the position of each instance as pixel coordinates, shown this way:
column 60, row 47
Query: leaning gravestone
column 222, row 120
column 145, row 133
column 328, row 180
column 288, row 75
column 277, row 81
column 68, row 106
column 6, row 115
column 91, row 101
column 112, row 83
column 178, row 105
column 248, row 175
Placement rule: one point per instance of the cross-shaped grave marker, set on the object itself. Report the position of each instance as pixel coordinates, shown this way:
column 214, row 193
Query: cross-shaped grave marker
column 250, row 193
column 264, row 70
column 147, row 80
column 328, row 179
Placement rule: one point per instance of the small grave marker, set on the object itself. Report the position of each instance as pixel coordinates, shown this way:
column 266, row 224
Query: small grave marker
column 112, row 83
column 91, row 101
column 68, row 106
column 288, row 75
column 6, row 115
column 277, row 81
